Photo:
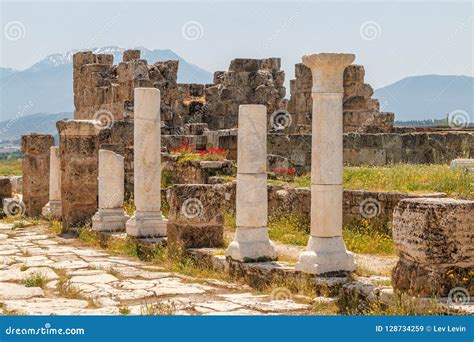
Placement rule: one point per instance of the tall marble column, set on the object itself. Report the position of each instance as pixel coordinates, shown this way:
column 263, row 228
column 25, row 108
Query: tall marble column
column 326, row 251
column 251, row 240
column 53, row 207
column 110, row 215
column 147, row 220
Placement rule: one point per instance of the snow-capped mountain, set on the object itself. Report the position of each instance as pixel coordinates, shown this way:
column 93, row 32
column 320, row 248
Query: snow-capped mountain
column 47, row 85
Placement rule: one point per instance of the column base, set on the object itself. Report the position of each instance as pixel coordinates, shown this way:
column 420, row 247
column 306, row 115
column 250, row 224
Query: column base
column 147, row 224
column 325, row 255
column 52, row 209
column 109, row 220
column 251, row 244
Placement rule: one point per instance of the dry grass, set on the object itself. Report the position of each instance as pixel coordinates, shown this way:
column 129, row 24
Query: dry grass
column 11, row 167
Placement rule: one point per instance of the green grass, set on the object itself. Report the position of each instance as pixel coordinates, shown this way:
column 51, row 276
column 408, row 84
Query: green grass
column 403, row 178
column 10, row 167
column 288, row 229
column 366, row 237
column 35, row 280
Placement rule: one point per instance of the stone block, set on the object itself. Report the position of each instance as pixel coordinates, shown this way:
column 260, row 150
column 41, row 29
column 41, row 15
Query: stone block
column 195, row 236
column 5, row 188
column 129, row 55
column 433, row 237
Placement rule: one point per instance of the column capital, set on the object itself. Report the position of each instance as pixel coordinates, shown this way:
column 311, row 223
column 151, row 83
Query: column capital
column 327, row 70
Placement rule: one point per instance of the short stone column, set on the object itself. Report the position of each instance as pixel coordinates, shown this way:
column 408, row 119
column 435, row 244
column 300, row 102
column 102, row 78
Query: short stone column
column 147, row 220
column 36, row 149
column 110, row 215
column 53, row 207
column 251, row 240
column 326, row 251
column 79, row 146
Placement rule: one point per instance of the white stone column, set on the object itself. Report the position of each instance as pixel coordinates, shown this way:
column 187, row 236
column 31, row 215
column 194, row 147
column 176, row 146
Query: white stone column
column 326, row 251
column 251, row 240
column 147, row 220
column 110, row 215
column 53, row 207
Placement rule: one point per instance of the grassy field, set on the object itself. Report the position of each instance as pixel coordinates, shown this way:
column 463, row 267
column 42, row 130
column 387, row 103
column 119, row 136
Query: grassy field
column 405, row 178
column 360, row 237
column 10, row 167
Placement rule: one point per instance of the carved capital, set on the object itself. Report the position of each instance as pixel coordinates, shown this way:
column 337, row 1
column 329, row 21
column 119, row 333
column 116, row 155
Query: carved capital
column 328, row 70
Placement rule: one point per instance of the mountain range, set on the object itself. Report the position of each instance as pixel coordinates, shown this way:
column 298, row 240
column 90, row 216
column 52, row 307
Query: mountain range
column 29, row 97
column 428, row 97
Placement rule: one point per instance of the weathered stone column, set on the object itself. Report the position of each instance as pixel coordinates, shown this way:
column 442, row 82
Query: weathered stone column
column 79, row 146
column 251, row 240
column 326, row 251
column 147, row 220
column 53, row 207
column 110, row 216
column 36, row 149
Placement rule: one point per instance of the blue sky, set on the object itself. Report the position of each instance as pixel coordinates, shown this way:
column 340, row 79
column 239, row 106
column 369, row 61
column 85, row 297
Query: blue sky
column 391, row 39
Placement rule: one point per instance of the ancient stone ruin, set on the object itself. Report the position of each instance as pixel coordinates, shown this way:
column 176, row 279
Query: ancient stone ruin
column 130, row 119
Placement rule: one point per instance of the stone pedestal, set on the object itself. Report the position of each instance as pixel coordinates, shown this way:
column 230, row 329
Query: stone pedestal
column 195, row 215
column 110, row 216
column 326, row 252
column 53, row 207
column 433, row 238
column 251, row 240
column 36, row 149
column 147, row 220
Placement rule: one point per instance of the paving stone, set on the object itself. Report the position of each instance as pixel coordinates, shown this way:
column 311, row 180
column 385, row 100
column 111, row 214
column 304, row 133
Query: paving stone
column 46, row 306
column 93, row 279
column 10, row 291
column 218, row 306
column 37, row 260
column 93, row 274
column 70, row 264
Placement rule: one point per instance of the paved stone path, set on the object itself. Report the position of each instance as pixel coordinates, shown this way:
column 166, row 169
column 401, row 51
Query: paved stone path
column 85, row 281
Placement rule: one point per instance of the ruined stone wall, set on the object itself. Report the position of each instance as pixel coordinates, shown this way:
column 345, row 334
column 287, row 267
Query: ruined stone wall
column 104, row 91
column 35, row 165
column 357, row 204
column 368, row 149
column 361, row 112
column 248, row 81
column 413, row 148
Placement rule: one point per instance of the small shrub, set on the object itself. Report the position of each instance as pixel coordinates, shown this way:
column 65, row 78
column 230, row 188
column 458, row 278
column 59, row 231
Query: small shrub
column 35, row 280
column 129, row 207
column 124, row 310
column 158, row 309
column 55, row 226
